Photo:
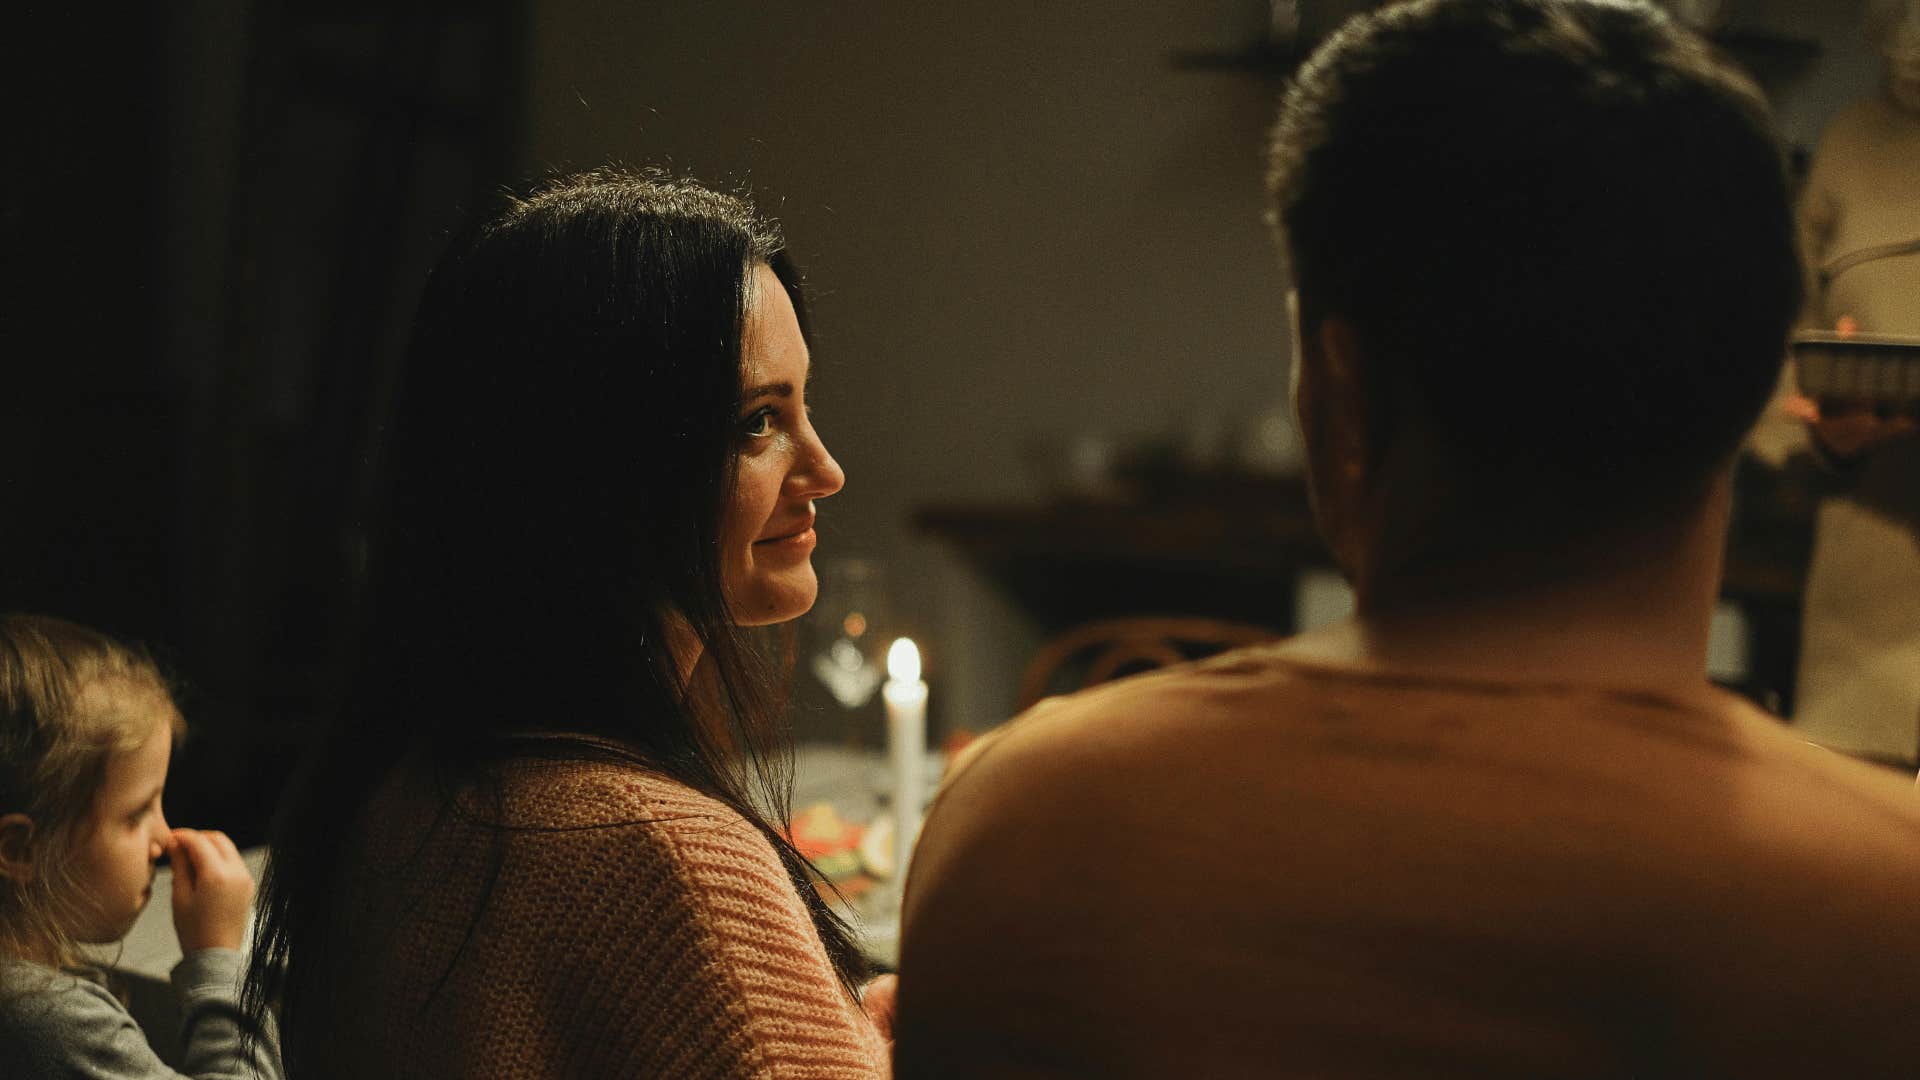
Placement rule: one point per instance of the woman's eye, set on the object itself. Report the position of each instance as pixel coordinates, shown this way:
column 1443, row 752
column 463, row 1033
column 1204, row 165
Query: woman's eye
column 759, row 423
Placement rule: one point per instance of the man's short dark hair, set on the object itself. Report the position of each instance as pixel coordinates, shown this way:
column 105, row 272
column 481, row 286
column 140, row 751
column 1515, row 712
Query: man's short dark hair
column 1561, row 227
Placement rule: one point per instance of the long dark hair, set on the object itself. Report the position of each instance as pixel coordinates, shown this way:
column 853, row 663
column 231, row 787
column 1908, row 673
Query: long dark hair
column 563, row 443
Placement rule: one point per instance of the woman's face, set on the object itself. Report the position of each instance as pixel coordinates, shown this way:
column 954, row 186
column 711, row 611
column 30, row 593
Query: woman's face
column 766, row 536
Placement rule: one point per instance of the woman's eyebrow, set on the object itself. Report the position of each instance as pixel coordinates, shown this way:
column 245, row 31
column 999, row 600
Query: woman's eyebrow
column 778, row 389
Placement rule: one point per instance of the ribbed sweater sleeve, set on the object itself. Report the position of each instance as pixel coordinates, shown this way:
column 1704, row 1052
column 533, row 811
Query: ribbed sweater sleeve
column 753, row 992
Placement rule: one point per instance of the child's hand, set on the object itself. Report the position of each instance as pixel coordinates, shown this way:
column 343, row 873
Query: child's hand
column 212, row 890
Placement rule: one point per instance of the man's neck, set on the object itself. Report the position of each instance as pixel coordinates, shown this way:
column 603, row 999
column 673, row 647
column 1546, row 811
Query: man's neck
column 1640, row 623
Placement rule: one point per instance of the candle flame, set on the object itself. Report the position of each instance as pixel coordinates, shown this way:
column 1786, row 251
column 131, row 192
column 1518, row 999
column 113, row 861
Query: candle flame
column 903, row 661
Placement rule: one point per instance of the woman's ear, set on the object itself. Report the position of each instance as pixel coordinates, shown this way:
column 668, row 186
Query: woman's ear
column 16, row 848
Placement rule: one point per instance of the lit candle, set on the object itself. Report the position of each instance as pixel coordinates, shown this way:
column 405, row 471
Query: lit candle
column 906, row 698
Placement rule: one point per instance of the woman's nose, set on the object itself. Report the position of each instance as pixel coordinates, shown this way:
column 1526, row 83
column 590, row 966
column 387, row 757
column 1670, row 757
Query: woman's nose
column 818, row 474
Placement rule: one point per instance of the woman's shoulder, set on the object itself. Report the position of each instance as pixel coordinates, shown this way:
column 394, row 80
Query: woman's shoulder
column 589, row 814
column 589, row 794
column 564, row 787
column 559, row 821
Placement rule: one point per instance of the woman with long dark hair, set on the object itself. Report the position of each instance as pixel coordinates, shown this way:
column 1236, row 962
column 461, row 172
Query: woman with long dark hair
column 540, row 840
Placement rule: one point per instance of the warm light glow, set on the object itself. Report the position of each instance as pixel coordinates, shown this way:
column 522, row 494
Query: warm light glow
column 903, row 661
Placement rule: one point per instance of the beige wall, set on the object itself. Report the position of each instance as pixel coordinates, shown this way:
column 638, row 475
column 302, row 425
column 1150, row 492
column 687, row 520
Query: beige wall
column 1846, row 68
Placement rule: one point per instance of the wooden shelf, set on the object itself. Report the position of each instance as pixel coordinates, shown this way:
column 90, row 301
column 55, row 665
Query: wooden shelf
column 1233, row 554
column 1229, row 552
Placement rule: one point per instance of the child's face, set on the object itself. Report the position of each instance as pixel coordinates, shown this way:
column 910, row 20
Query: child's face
column 124, row 837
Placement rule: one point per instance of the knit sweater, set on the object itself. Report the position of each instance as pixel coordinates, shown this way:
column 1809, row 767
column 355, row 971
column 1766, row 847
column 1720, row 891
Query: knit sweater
column 1259, row 867
column 623, row 925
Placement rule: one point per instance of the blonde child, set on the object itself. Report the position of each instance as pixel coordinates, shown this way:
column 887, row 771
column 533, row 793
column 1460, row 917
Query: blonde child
column 86, row 730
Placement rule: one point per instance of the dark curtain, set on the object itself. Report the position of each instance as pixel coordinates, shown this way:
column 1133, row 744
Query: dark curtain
column 217, row 217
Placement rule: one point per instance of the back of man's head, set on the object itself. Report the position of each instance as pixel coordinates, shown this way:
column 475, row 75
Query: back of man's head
column 1561, row 229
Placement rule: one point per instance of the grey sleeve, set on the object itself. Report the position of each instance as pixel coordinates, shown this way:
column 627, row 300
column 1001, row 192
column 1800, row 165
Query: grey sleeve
column 212, row 1027
column 65, row 1028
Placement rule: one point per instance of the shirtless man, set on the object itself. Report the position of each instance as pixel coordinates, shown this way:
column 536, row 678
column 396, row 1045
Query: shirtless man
column 1499, row 823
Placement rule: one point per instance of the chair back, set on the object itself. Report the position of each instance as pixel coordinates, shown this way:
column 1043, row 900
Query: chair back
column 1095, row 652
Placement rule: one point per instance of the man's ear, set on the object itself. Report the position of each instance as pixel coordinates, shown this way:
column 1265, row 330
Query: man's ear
column 16, row 848
column 1351, row 412
column 1348, row 447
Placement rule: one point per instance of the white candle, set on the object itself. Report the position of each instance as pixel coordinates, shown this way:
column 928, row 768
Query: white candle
column 906, row 698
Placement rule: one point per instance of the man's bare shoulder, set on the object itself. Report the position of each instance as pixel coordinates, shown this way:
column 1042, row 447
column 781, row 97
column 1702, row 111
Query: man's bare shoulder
column 1019, row 878
column 1077, row 745
column 1130, row 713
column 1063, row 792
column 1254, row 756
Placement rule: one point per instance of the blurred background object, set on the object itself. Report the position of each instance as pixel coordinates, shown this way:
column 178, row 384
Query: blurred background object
column 1108, row 649
column 846, row 637
column 1859, row 675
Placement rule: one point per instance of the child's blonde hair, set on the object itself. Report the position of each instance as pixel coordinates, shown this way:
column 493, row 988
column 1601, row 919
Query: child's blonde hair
column 70, row 698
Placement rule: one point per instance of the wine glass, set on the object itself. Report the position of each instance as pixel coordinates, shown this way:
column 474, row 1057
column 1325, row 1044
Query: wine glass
column 846, row 653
